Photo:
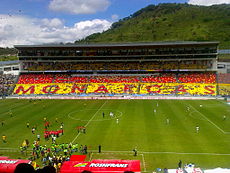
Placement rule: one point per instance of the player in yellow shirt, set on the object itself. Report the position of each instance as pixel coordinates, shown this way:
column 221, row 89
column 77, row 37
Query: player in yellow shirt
column 27, row 124
column 4, row 138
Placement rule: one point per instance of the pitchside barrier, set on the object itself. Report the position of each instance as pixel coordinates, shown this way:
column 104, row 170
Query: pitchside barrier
column 77, row 164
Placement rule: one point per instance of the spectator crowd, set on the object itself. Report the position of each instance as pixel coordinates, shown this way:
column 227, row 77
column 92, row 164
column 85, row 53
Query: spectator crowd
column 7, row 82
column 145, row 65
column 190, row 83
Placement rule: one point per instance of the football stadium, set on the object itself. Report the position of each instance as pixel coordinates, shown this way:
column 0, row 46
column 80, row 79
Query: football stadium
column 101, row 108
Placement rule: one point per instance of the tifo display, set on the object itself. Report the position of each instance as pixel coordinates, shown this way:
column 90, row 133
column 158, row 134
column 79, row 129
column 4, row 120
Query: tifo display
column 159, row 84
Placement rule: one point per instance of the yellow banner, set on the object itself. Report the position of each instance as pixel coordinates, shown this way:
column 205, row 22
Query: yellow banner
column 117, row 88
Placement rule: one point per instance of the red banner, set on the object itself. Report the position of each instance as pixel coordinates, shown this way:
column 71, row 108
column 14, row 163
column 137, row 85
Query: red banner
column 9, row 165
column 79, row 158
column 101, row 166
column 3, row 157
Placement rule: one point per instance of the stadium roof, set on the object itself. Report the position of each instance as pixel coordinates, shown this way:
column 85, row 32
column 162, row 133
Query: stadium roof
column 224, row 51
column 8, row 62
column 119, row 44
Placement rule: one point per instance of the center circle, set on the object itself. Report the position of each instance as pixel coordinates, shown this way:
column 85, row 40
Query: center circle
column 82, row 114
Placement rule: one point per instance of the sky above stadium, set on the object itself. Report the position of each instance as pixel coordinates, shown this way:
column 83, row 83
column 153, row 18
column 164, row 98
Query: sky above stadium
column 55, row 21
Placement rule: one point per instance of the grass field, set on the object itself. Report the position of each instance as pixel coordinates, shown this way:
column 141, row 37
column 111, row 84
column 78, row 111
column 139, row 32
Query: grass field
column 159, row 144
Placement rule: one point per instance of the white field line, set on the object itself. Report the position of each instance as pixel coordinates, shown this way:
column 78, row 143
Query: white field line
column 161, row 152
column 112, row 110
column 143, row 158
column 180, row 153
column 145, row 152
column 198, row 118
column 109, row 153
column 210, row 121
column 90, row 120
column 91, row 156
column 142, row 154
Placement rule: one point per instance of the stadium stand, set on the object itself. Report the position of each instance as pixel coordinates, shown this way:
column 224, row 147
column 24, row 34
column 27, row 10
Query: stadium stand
column 155, row 65
column 160, row 78
column 160, row 83
column 7, row 83
column 224, row 84
column 34, row 79
column 197, row 78
column 224, row 78
column 143, row 69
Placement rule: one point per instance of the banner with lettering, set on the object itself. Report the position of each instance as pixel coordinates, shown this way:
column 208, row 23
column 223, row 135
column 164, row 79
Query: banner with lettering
column 101, row 166
column 9, row 165
column 117, row 88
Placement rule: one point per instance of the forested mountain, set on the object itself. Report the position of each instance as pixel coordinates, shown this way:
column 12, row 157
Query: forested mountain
column 170, row 22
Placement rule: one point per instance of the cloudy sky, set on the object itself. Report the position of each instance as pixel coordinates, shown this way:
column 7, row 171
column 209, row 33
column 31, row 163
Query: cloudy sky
column 54, row 21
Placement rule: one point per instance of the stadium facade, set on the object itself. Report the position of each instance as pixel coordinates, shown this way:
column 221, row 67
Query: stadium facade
column 197, row 56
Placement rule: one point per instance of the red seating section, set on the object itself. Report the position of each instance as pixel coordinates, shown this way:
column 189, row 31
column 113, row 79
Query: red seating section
column 197, row 78
column 158, row 78
column 164, row 78
column 114, row 79
column 224, row 78
column 35, row 78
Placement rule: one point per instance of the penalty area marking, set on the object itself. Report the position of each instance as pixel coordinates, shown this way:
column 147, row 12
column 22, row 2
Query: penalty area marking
column 90, row 120
column 210, row 121
column 90, row 158
column 191, row 115
column 143, row 159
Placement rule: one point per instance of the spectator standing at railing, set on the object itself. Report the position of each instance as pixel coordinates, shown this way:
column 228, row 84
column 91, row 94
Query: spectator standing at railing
column 180, row 164
column 135, row 151
column 99, row 149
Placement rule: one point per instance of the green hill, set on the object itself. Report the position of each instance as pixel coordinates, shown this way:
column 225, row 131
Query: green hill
column 7, row 51
column 7, row 54
column 170, row 22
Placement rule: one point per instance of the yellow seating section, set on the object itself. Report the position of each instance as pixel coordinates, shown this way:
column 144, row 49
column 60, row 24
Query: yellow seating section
column 178, row 88
column 224, row 89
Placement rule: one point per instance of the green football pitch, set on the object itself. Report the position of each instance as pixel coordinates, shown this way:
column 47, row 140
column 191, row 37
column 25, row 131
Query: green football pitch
column 163, row 131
